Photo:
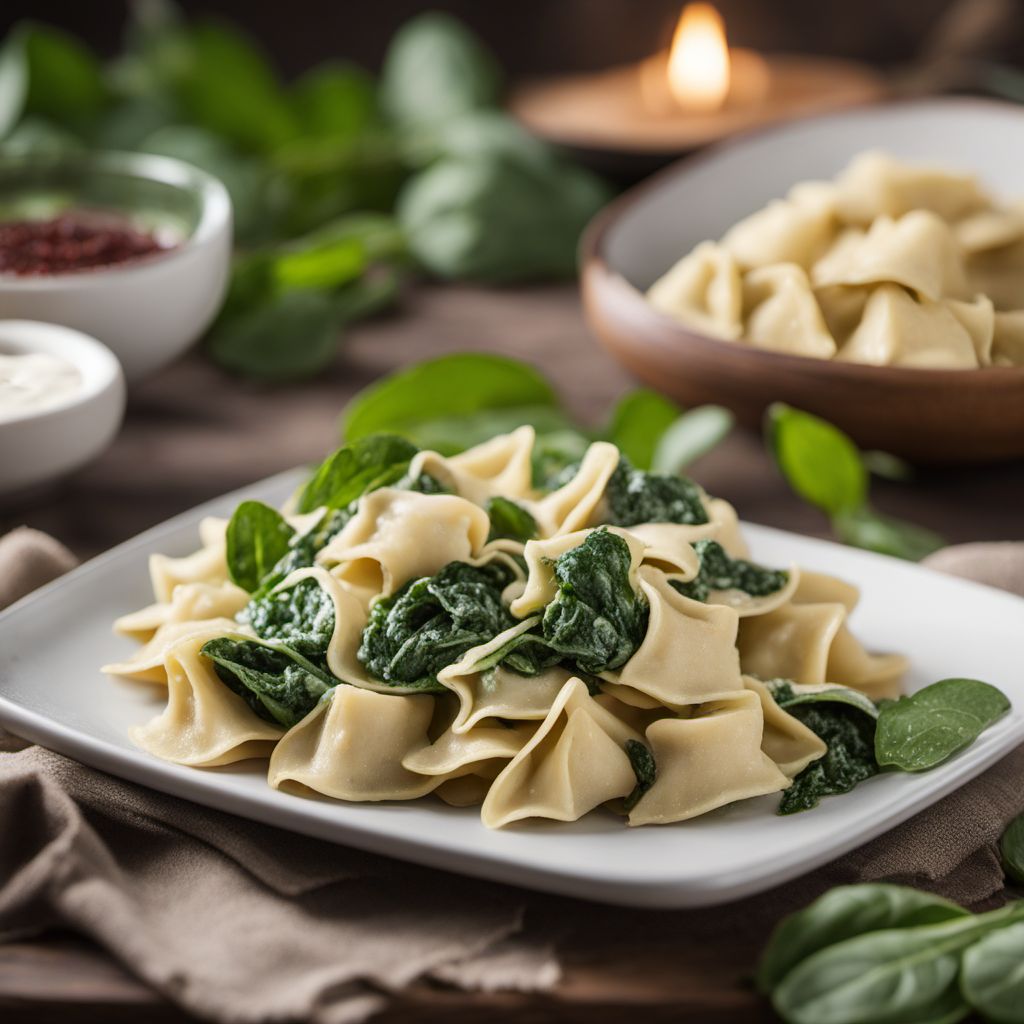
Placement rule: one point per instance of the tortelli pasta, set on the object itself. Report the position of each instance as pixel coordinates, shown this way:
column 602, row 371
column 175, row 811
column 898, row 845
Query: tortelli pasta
column 417, row 624
column 891, row 264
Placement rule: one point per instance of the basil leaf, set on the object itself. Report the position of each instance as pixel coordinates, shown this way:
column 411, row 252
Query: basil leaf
column 510, row 520
column 1011, row 846
column 818, row 460
column 637, row 424
column 365, row 465
column 843, row 913
column 694, row 434
column 918, row 732
column 865, row 528
column 642, row 762
column 992, row 976
column 436, row 69
column 471, row 393
column 257, row 537
column 278, row 683
column 897, row 976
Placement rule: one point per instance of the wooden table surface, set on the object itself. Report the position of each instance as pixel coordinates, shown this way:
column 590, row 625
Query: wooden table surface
column 192, row 433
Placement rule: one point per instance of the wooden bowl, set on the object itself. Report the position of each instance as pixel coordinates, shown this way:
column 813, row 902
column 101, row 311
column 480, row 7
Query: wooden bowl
column 923, row 415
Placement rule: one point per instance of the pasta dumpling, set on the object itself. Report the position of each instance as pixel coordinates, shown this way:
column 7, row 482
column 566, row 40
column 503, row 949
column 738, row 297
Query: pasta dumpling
column 703, row 290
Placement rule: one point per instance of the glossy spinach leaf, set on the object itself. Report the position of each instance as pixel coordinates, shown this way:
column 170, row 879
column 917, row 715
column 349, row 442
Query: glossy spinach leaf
column 918, row 732
column 431, row 623
column 646, row 771
column 257, row 537
column 510, row 520
column 302, row 550
column 634, row 496
column 639, row 423
column 694, row 434
column 278, row 683
column 720, row 572
column 364, row 465
column 844, row 913
column 1011, row 847
column 992, row 975
column 868, row 529
column 300, row 618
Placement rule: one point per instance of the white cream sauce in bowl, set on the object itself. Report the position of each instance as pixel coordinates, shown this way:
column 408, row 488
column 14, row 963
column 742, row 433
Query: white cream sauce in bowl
column 32, row 381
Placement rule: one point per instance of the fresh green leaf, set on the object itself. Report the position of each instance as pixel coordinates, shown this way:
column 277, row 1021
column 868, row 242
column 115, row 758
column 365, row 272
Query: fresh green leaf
column 992, row 975
column 786, row 694
column 378, row 234
column 14, row 75
column 302, row 552
column 1011, row 846
column 634, row 496
column 694, row 434
column 257, row 537
column 436, row 69
column 293, row 335
column 818, row 461
column 844, row 913
column 322, row 267
column 921, row 731
column 335, row 101
column 450, row 390
column 895, row 976
column 432, row 622
column 365, row 464
column 300, row 617
column 510, row 520
column 718, row 571
column 478, row 133
column 887, row 466
column 642, row 762
column 638, row 423
column 865, row 528
column 279, row 684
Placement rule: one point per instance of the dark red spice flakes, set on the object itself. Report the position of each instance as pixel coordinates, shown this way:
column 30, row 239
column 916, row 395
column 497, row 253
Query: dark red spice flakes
column 68, row 243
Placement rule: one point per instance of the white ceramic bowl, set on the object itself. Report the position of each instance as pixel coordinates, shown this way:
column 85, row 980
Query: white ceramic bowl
column 40, row 445
column 147, row 311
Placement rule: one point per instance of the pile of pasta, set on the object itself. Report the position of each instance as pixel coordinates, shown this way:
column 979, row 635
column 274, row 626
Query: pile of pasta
column 891, row 264
column 550, row 745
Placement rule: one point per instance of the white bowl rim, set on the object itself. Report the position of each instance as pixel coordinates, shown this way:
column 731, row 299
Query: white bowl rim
column 97, row 365
column 214, row 215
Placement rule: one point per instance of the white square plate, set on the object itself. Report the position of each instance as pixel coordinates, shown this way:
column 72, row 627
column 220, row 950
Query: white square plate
column 52, row 692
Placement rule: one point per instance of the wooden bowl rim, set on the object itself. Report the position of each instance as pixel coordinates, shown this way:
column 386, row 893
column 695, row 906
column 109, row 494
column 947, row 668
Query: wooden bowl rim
column 598, row 274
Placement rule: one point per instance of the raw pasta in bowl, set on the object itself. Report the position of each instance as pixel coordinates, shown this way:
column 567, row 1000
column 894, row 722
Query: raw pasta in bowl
column 890, row 264
column 416, row 624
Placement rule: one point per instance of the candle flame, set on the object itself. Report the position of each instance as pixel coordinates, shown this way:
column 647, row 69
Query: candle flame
column 698, row 63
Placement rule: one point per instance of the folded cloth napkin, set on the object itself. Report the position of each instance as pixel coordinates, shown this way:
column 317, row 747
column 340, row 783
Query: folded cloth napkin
column 240, row 922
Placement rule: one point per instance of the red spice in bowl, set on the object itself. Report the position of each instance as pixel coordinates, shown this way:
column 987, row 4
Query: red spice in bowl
column 68, row 243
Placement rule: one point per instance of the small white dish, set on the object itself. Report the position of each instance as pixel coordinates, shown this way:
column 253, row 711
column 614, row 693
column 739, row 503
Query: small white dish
column 52, row 691
column 148, row 311
column 41, row 444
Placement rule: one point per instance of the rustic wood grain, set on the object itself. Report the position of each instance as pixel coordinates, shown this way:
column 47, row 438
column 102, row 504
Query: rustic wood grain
column 193, row 433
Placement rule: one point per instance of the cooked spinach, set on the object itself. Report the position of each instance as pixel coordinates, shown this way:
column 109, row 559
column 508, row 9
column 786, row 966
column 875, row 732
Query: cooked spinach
column 596, row 620
column 277, row 682
column 720, row 572
column 300, row 617
column 846, row 723
column 1011, row 847
column 257, row 537
column 510, row 520
column 431, row 622
column 642, row 761
column 921, row 731
column 634, row 496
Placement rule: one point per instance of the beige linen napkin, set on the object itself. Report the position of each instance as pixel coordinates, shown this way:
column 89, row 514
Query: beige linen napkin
column 239, row 922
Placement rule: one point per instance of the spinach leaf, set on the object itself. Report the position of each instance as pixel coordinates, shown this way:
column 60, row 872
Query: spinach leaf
column 843, row 913
column 335, row 101
column 638, row 423
column 431, row 622
column 846, row 725
column 1011, row 846
column 436, row 69
column 366, row 464
column 645, row 770
column 257, row 537
column 300, row 618
column 868, row 529
column 634, row 496
column 278, row 683
column 895, row 976
column 992, row 975
column 720, row 572
column 596, row 620
column 921, row 731
column 692, row 435
column 510, row 520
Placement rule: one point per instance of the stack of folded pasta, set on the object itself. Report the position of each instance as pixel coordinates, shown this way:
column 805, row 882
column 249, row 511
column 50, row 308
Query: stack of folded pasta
column 496, row 632
column 890, row 264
